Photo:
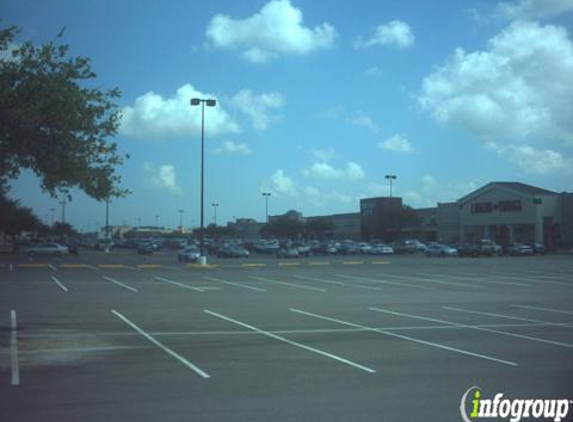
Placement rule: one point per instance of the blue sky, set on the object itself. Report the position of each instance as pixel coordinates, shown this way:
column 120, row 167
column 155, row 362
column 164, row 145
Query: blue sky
column 318, row 100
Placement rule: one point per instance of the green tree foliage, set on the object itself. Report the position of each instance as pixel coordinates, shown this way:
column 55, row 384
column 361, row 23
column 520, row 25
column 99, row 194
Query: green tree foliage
column 283, row 227
column 53, row 123
column 318, row 227
column 15, row 219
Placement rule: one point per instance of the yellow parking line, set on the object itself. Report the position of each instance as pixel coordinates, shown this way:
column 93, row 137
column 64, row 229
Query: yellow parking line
column 352, row 262
column 289, row 264
column 380, row 262
column 74, row 266
column 32, row 265
column 111, row 265
column 149, row 266
column 253, row 265
column 319, row 263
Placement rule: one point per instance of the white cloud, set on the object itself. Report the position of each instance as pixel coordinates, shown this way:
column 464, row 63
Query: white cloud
column 318, row 198
column 160, row 178
column 519, row 87
column 322, row 170
column 230, row 147
column 257, row 107
column 395, row 33
column 274, row 31
column 155, row 117
column 363, row 120
column 374, row 71
column 533, row 9
column 532, row 160
column 323, row 155
column 281, row 183
column 397, row 144
column 431, row 191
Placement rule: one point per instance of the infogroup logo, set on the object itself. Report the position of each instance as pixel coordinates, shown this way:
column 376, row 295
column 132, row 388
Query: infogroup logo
column 514, row 409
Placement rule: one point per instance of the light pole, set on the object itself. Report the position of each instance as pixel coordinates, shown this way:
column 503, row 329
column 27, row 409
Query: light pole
column 52, row 210
column 391, row 177
column 209, row 103
column 181, row 219
column 215, row 205
column 107, row 225
column 63, row 204
column 266, row 195
column 156, row 221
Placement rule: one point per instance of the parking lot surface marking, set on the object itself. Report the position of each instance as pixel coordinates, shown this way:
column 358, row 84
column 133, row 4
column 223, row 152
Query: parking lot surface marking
column 149, row 266
column 110, row 265
column 253, row 265
column 376, row 280
column 408, row 338
column 522, row 336
column 319, row 263
column 230, row 283
column 14, row 349
column 537, row 308
column 481, row 279
column 352, row 262
column 289, row 264
column 338, row 283
column 293, row 343
column 535, row 280
column 52, row 267
column 64, row 288
column 162, row 346
column 176, row 283
column 119, row 283
column 433, row 280
column 32, row 265
column 294, row 285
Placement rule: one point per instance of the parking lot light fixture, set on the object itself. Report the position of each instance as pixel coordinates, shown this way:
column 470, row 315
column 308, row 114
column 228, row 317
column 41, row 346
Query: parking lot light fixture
column 266, row 195
column 209, row 103
column 391, row 177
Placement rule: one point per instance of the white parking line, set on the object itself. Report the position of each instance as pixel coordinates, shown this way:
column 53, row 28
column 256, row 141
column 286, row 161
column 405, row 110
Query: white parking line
column 14, row 349
column 52, row 267
column 176, row 283
column 295, row 285
column 376, row 280
column 534, row 280
column 162, row 346
column 293, row 343
column 432, row 280
column 515, row 318
column 537, row 308
column 403, row 337
column 59, row 283
column 11, row 267
column 119, row 283
column 480, row 278
column 338, row 283
column 230, row 283
column 522, row 336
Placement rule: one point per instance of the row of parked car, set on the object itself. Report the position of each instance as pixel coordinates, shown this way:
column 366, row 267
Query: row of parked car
column 484, row 247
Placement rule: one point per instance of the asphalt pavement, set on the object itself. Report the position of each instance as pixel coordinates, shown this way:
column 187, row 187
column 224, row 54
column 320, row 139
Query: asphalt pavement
column 125, row 337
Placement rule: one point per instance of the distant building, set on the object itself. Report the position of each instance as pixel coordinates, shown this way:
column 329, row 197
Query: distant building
column 247, row 228
column 291, row 215
column 372, row 210
column 346, row 226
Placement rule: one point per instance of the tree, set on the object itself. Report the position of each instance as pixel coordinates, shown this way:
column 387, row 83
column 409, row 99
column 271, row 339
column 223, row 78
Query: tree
column 283, row 227
column 52, row 123
column 317, row 227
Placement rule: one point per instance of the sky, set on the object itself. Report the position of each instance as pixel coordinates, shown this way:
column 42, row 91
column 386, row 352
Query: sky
column 317, row 101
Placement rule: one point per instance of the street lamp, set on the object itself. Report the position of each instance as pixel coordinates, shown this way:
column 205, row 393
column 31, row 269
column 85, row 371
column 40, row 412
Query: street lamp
column 63, row 204
column 52, row 210
column 156, row 221
column 209, row 103
column 107, row 225
column 391, row 177
column 266, row 195
column 181, row 219
column 215, row 205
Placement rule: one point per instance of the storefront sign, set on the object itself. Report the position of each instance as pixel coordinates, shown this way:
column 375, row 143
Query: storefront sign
column 501, row 206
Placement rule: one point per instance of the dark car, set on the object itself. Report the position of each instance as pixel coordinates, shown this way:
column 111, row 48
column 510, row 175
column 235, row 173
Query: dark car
column 232, row 252
column 467, row 249
column 488, row 247
column 145, row 248
column 519, row 249
column 538, row 248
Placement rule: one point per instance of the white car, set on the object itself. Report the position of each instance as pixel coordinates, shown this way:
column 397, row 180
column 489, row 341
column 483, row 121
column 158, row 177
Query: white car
column 189, row 254
column 437, row 249
column 48, row 249
column 381, row 249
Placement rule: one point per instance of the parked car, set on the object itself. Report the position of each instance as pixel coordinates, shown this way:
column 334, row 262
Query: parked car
column 189, row 254
column 145, row 248
column 364, row 247
column 467, row 249
column 488, row 247
column 538, row 248
column 381, row 249
column 409, row 246
column 48, row 249
column 288, row 252
column 519, row 249
column 232, row 252
column 348, row 248
column 303, row 248
column 437, row 249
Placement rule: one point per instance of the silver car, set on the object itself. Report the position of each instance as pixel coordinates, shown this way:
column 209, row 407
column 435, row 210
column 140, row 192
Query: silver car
column 436, row 249
column 189, row 254
column 48, row 249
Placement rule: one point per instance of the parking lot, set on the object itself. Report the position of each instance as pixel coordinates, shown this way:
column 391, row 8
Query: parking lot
column 121, row 336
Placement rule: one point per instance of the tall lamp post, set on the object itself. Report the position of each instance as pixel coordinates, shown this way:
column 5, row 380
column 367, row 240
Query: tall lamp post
column 266, row 195
column 391, row 177
column 209, row 103
column 63, row 204
column 215, row 205
column 107, row 242
column 52, row 210
column 181, row 219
